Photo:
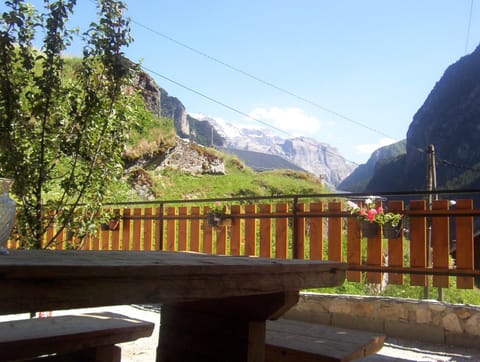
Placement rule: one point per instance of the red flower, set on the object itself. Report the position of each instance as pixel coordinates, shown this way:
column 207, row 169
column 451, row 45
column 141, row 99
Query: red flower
column 371, row 214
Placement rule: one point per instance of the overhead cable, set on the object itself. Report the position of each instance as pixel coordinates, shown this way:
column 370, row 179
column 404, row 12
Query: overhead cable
column 232, row 108
column 260, row 80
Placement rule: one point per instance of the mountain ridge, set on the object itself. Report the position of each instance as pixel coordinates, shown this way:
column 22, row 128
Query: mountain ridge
column 320, row 159
column 449, row 119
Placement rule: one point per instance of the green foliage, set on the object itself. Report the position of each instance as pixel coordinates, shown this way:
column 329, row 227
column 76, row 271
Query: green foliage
column 62, row 128
column 450, row 295
column 148, row 134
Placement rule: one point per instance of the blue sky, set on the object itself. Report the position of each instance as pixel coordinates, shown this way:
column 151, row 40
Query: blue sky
column 358, row 70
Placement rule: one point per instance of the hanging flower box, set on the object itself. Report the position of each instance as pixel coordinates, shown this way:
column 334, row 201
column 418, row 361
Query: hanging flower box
column 372, row 217
column 370, row 229
column 217, row 216
column 391, row 231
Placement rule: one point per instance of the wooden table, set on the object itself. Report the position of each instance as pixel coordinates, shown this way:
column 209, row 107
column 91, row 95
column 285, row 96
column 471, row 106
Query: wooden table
column 214, row 308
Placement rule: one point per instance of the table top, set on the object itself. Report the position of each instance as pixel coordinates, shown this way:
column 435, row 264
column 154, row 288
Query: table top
column 66, row 279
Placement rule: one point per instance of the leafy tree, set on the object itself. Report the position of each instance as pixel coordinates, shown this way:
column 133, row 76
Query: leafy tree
column 62, row 129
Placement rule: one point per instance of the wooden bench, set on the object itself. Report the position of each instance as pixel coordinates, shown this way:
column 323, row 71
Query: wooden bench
column 289, row 340
column 85, row 337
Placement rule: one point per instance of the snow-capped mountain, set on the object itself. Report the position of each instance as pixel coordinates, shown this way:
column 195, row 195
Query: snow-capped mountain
column 318, row 158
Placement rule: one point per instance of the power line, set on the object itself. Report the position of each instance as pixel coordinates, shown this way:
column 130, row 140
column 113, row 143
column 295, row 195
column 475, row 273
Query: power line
column 216, row 101
column 232, row 108
column 444, row 162
column 260, row 80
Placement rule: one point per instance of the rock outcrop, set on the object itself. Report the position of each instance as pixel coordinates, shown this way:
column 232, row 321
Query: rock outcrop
column 192, row 159
column 160, row 103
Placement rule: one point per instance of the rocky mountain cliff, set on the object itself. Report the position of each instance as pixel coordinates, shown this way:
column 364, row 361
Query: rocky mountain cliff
column 318, row 158
column 358, row 180
column 449, row 119
column 160, row 103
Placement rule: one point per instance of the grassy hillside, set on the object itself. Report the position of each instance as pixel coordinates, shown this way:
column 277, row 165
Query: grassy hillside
column 151, row 136
column 239, row 181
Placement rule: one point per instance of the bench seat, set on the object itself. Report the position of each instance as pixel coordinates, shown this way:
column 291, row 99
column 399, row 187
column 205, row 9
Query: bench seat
column 87, row 337
column 291, row 340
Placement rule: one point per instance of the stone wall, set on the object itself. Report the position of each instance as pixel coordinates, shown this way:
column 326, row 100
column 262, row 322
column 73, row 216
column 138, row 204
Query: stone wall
column 421, row 320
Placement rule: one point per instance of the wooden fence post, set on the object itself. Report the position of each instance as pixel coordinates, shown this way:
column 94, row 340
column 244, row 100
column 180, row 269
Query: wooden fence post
column 316, row 232
column 464, row 244
column 281, row 232
column 395, row 247
column 418, row 242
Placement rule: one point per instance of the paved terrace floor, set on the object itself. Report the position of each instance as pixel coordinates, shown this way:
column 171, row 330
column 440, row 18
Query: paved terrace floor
column 395, row 350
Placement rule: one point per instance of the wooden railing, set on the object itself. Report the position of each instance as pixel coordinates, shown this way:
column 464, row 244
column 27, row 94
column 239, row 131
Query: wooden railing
column 316, row 230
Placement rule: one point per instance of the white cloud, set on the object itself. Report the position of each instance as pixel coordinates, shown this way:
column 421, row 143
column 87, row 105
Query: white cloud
column 288, row 119
column 368, row 148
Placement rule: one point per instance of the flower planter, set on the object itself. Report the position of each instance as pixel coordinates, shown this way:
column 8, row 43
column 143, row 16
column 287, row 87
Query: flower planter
column 215, row 219
column 111, row 225
column 370, row 229
column 392, row 232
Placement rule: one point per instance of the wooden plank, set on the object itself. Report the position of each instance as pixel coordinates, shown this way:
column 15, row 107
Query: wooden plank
column 60, row 240
column 116, row 233
column 182, row 229
column 354, row 248
column 95, row 242
column 464, row 244
column 50, row 231
column 210, row 332
column 66, row 334
column 316, row 232
column 68, row 279
column 105, row 239
column 289, row 340
column 250, row 231
column 137, row 229
column 395, row 247
column 440, row 242
column 281, row 232
column 418, row 242
column 148, row 229
column 335, row 232
column 171, row 229
column 87, row 243
column 235, row 231
column 195, row 229
column 374, row 255
column 159, row 231
column 207, row 234
column 300, row 232
column 126, row 229
column 266, row 231
column 221, row 240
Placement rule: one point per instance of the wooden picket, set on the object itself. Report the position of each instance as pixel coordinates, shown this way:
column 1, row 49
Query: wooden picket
column 464, row 244
column 396, row 247
column 418, row 240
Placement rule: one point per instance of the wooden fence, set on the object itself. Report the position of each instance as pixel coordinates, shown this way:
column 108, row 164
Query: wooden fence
column 316, row 230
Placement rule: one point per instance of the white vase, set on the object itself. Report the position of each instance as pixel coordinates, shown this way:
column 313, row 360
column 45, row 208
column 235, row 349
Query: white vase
column 7, row 214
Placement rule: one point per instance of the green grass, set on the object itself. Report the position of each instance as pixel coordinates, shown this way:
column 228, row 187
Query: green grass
column 450, row 295
column 239, row 181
